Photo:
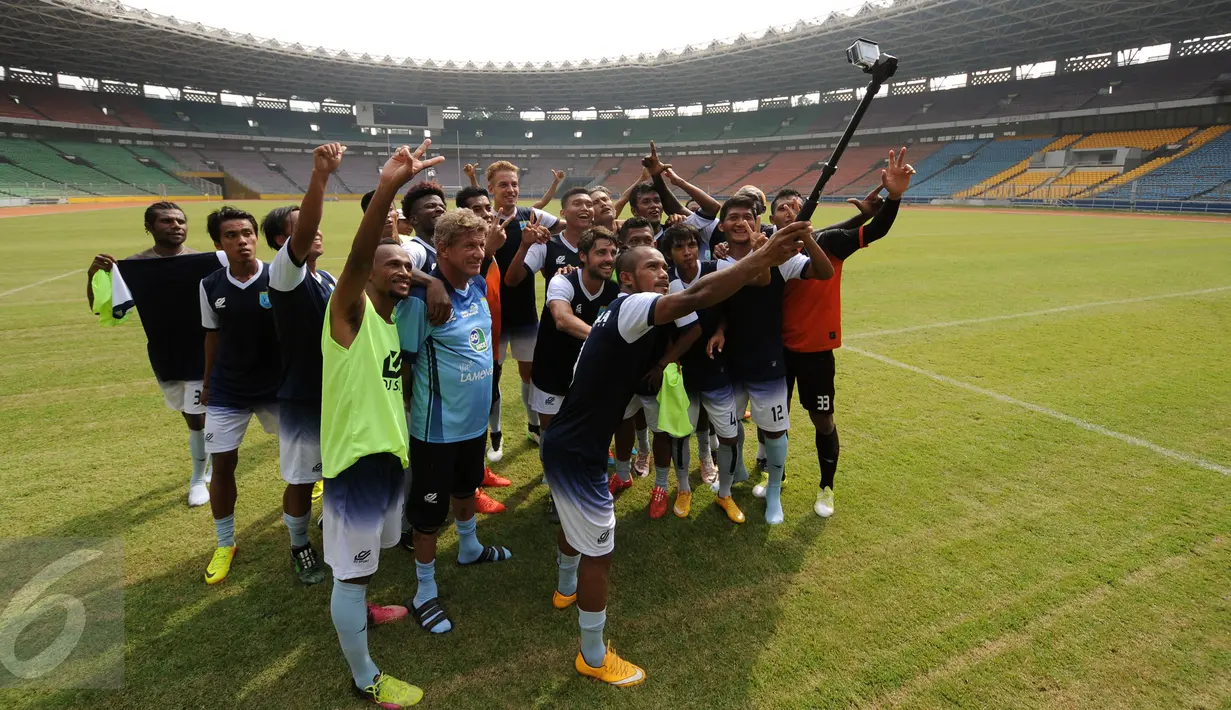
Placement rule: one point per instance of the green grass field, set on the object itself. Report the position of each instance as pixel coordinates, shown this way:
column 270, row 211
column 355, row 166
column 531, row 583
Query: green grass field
column 1031, row 511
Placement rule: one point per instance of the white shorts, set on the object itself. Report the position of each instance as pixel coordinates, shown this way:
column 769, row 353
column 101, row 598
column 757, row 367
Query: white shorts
column 720, row 405
column 183, row 395
column 362, row 514
column 769, row 403
column 545, row 403
column 225, row 426
column 520, row 341
column 583, row 501
column 299, row 441
column 644, row 403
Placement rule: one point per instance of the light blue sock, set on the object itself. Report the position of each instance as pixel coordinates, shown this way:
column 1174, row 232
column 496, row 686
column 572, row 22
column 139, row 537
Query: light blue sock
column 427, row 590
column 624, row 469
column 566, row 579
column 298, row 527
column 593, row 650
column 349, row 610
column 225, row 529
column 196, row 448
column 468, row 547
column 660, row 476
column 775, row 453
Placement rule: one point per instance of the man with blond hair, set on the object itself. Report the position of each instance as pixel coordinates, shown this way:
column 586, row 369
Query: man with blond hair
column 452, row 366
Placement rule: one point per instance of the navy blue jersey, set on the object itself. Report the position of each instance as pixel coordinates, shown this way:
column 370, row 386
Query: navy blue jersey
column 549, row 258
column 422, row 254
column 555, row 351
column 166, row 292
column 517, row 303
column 702, row 373
column 299, row 297
column 248, row 363
column 620, row 351
column 754, row 324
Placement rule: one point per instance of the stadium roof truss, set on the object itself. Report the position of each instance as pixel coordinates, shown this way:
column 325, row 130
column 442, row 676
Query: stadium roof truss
column 107, row 40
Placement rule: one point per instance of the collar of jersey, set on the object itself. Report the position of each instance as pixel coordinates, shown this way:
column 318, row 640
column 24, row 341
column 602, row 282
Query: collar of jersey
column 260, row 267
column 436, row 274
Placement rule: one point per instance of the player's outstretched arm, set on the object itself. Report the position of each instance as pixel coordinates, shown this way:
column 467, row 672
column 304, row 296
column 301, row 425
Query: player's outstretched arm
column 895, row 179
column 534, row 233
column 325, row 160
column 720, row 285
column 471, row 169
column 556, row 177
column 346, row 303
column 657, row 170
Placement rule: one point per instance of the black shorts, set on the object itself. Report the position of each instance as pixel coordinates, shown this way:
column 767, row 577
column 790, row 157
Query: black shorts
column 439, row 472
column 814, row 372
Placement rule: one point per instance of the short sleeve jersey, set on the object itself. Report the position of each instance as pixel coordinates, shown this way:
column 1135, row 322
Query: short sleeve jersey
column 701, row 372
column 299, row 297
column 452, row 387
column 517, row 303
column 619, row 352
column 422, row 254
column 555, row 351
column 549, row 258
column 754, row 323
column 248, row 362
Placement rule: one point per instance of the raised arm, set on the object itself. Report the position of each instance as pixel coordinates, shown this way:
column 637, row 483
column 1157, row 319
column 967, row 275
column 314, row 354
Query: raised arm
column 346, row 303
column 718, row 286
column 534, row 233
column 556, row 177
column 895, row 178
column 620, row 203
column 709, row 206
column 655, row 167
column 325, row 160
column 470, row 169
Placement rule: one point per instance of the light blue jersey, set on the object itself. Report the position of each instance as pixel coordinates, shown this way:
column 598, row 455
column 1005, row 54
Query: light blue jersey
column 452, row 363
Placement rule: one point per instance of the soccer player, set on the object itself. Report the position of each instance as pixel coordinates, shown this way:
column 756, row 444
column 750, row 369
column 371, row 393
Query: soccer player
column 706, row 379
column 623, row 344
column 423, row 204
column 243, row 368
column 478, row 201
column 175, row 341
column 452, row 399
column 519, row 317
column 753, row 338
column 363, row 428
column 635, row 232
column 560, row 251
column 298, row 292
column 574, row 301
column 812, row 317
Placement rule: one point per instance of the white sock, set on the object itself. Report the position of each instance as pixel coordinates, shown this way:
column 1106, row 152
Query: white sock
column 196, row 448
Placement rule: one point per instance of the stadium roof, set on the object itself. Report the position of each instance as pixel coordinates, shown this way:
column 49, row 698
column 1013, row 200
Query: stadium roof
column 107, row 40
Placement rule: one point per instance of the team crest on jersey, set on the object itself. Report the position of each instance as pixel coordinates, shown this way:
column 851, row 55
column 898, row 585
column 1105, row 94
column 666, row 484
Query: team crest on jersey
column 478, row 340
column 265, row 299
column 577, row 310
column 560, row 259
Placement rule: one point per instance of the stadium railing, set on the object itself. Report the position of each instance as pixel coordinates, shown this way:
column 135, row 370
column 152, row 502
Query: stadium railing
column 62, row 192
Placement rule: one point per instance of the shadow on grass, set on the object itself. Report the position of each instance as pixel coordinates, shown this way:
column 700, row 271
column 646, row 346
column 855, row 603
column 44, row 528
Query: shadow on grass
column 691, row 601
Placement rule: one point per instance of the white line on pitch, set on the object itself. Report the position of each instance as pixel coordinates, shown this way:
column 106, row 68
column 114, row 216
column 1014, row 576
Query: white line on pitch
column 39, row 283
column 1044, row 312
column 1082, row 423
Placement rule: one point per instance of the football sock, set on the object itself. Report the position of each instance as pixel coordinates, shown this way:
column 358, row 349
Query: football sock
column 660, row 476
column 592, row 648
column 196, row 448
column 741, row 471
column 726, row 468
column 225, row 529
column 566, row 575
column 349, row 611
column 426, row 573
column 713, row 441
column 775, row 453
column 468, row 547
column 760, row 449
column 532, row 417
column 298, row 528
column 643, row 441
column 493, row 417
column 682, row 454
column 703, row 446
column 827, row 452
column 624, row 469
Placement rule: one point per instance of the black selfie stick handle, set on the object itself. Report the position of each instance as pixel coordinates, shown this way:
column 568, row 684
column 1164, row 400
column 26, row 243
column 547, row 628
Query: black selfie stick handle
column 884, row 68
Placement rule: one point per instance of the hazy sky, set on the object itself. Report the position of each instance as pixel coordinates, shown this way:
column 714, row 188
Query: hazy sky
column 517, row 31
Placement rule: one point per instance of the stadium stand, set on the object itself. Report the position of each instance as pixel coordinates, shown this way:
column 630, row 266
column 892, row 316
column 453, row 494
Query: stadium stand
column 48, row 163
column 990, row 159
column 122, row 165
column 1193, row 143
column 1016, row 169
column 1189, row 175
column 1021, row 184
column 1146, row 140
column 937, row 163
column 1069, row 184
